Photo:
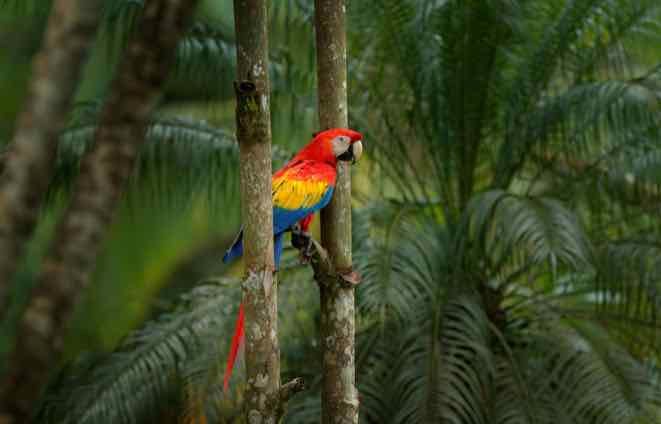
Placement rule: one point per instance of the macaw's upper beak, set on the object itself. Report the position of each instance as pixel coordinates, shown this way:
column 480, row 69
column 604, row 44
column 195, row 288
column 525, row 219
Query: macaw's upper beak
column 353, row 153
column 357, row 148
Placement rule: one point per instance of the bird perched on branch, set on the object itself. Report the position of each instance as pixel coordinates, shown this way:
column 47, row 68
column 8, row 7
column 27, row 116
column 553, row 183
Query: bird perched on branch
column 300, row 188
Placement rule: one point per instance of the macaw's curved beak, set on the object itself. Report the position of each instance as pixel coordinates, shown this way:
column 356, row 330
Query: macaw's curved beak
column 357, row 149
column 353, row 153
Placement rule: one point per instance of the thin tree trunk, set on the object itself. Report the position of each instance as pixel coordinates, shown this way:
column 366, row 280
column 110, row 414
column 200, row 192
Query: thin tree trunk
column 29, row 164
column 103, row 174
column 265, row 398
column 260, row 298
column 339, row 396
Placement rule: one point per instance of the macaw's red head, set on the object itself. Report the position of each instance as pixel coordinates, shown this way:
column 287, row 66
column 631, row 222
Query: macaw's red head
column 332, row 145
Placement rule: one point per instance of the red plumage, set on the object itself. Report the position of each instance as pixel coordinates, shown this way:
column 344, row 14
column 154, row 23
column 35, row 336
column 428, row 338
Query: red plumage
column 237, row 339
column 305, row 223
column 301, row 187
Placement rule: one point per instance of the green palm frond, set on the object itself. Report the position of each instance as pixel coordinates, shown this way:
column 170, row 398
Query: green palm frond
column 401, row 261
column 448, row 143
column 394, row 383
column 182, row 199
column 184, row 150
column 542, row 56
column 580, row 21
column 566, row 347
column 133, row 381
column 638, row 386
column 195, row 135
column 203, row 392
column 599, row 115
column 204, row 62
column 526, row 374
column 541, row 229
column 626, row 290
column 615, row 388
column 203, row 154
column 635, row 179
column 601, row 49
column 204, row 59
column 466, row 364
column 511, row 400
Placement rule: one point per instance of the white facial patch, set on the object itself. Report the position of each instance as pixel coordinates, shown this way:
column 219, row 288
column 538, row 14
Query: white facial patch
column 340, row 144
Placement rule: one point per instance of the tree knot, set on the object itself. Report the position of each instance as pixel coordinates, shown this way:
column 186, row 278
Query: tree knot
column 249, row 88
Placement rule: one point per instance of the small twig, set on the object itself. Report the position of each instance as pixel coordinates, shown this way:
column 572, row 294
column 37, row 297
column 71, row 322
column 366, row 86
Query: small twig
column 324, row 271
column 288, row 390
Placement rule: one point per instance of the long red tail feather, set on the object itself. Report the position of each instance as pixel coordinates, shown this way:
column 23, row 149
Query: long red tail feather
column 237, row 341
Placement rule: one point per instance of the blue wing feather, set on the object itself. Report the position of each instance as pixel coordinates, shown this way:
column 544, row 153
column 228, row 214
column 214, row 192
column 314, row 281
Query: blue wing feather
column 283, row 219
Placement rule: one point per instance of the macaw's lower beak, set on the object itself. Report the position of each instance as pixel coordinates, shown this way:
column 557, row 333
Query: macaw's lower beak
column 353, row 153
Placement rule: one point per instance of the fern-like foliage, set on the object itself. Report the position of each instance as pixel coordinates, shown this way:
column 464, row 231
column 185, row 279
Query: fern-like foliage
column 191, row 155
column 493, row 83
column 528, row 229
column 510, row 265
column 507, row 350
column 132, row 383
column 190, row 152
column 204, row 62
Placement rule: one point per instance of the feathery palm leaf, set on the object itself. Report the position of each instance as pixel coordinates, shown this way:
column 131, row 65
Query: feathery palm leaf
column 134, row 380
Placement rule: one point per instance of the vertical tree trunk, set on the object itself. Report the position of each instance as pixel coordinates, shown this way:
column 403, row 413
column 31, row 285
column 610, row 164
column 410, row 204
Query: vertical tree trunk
column 260, row 298
column 29, row 164
column 103, row 174
column 339, row 396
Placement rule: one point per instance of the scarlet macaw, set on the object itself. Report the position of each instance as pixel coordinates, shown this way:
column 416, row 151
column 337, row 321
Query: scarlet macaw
column 300, row 188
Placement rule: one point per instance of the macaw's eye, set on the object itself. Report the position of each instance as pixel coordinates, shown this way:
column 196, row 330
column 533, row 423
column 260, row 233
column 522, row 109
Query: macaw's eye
column 340, row 145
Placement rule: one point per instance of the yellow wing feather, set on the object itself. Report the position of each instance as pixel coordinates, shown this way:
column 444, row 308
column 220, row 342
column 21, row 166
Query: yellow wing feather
column 289, row 193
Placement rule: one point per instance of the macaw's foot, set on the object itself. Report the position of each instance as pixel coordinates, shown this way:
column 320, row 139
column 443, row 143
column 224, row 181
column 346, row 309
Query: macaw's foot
column 302, row 240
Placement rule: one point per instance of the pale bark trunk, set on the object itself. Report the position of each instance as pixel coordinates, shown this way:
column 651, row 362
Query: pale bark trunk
column 253, row 123
column 103, row 174
column 28, row 165
column 339, row 395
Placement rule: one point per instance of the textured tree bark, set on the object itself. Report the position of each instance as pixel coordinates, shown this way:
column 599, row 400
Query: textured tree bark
column 103, row 174
column 253, row 124
column 28, row 165
column 339, row 396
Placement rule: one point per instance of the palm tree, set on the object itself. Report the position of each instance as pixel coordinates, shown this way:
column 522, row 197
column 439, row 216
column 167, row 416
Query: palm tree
column 511, row 277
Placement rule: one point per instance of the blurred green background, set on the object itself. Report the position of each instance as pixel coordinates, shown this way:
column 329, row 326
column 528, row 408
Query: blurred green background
column 506, row 215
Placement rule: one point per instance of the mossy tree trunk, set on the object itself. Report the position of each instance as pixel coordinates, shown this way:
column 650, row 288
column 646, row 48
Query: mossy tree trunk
column 29, row 164
column 265, row 398
column 104, row 172
column 339, row 395
column 260, row 299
